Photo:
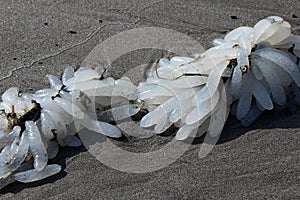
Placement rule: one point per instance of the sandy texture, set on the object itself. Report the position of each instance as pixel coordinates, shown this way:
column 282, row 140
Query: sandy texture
column 42, row 37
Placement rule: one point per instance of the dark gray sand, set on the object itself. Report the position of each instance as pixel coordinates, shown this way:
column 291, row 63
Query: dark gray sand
column 261, row 161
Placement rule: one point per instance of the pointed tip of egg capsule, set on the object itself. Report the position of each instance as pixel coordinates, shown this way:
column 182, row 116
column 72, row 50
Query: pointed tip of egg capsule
column 275, row 19
column 72, row 141
column 12, row 90
column 36, row 175
column 11, row 95
column 217, row 41
column 54, row 82
column 100, row 127
column 184, row 132
column 67, row 74
column 146, row 121
column 125, row 78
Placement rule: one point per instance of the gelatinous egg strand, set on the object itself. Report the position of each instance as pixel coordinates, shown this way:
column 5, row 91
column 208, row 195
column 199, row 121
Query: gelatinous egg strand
column 264, row 65
column 32, row 126
column 250, row 70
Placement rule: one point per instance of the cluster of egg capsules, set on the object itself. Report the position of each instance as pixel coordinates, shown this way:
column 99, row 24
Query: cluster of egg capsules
column 251, row 70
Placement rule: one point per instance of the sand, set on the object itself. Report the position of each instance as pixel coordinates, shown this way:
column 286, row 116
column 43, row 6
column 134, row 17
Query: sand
column 41, row 37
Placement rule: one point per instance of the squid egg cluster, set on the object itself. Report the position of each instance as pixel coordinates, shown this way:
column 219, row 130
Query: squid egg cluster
column 250, row 70
column 33, row 126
